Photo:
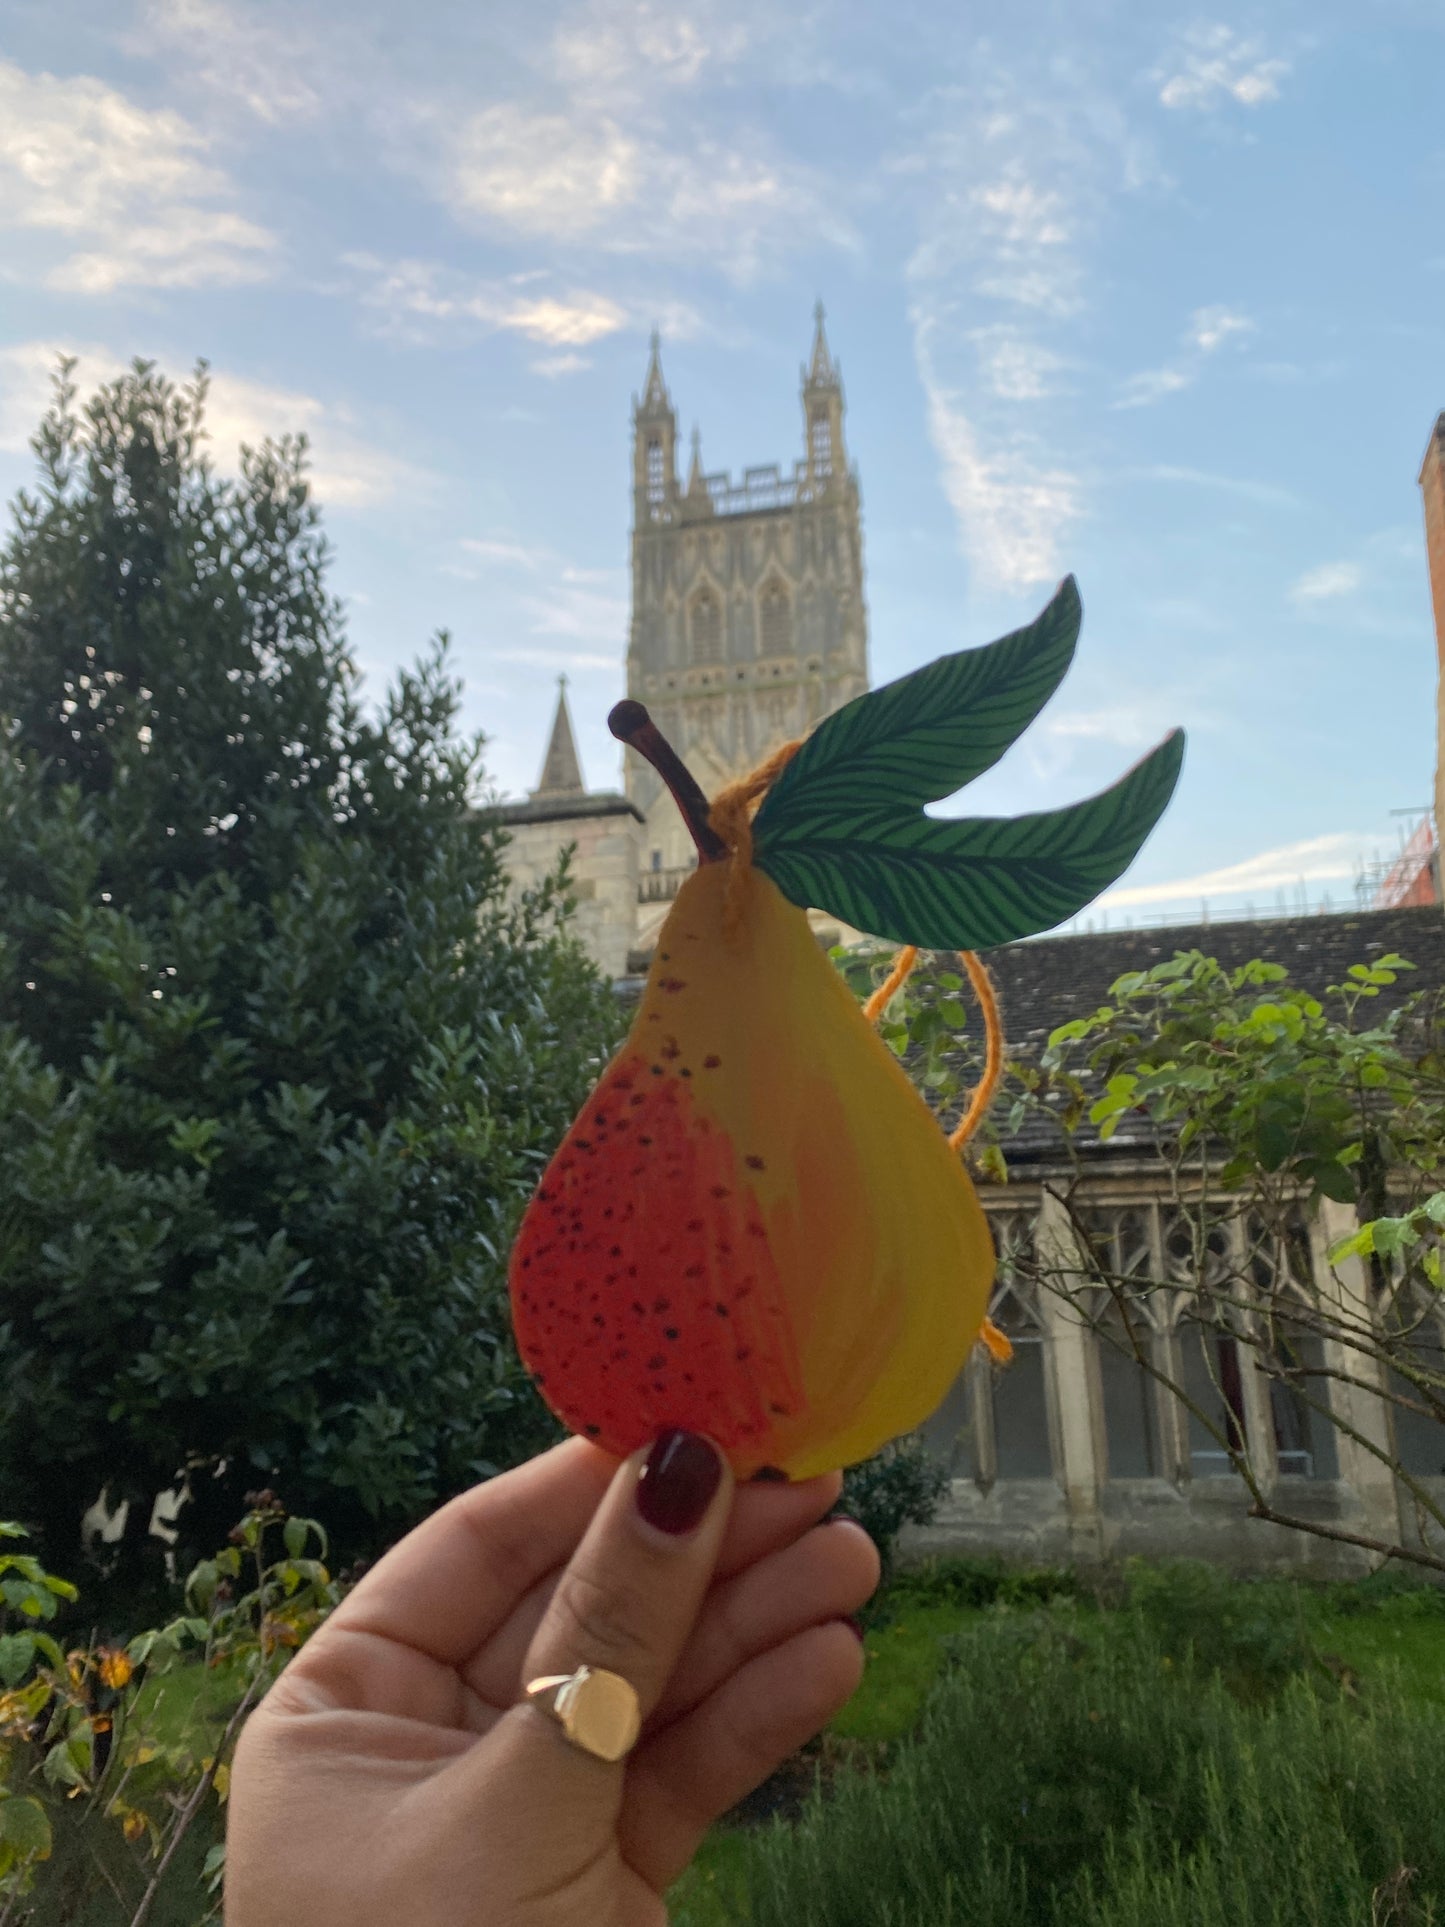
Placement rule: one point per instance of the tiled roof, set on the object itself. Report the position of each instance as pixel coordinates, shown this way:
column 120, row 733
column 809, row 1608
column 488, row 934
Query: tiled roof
column 1051, row 980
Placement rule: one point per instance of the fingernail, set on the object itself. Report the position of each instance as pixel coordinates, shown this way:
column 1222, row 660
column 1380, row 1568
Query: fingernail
column 678, row 1479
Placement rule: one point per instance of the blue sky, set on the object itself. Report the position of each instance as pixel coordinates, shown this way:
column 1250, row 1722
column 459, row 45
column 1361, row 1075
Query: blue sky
column 1154, row 296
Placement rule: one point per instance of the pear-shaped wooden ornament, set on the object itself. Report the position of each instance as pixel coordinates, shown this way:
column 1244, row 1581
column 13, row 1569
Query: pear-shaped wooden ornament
column 756, row 1228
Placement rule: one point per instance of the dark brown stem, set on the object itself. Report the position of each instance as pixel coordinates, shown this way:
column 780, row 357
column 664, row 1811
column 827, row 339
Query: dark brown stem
column 631, row 724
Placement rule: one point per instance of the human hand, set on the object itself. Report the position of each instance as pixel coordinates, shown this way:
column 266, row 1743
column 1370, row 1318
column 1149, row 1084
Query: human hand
column 396, row 1773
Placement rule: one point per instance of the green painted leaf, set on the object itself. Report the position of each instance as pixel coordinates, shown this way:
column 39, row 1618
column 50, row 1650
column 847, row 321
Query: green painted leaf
column 968, row 885
column 926, row 735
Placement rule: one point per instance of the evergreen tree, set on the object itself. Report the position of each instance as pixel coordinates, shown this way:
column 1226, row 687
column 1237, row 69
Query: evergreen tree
column 279, row 1059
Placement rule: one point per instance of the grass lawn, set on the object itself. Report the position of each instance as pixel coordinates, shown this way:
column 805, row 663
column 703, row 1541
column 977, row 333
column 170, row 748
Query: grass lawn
column 1255, row 1634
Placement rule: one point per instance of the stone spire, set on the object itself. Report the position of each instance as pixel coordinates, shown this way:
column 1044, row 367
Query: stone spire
column 823, row 410
column 654, row 388
column 561, row 773
column 822, row 372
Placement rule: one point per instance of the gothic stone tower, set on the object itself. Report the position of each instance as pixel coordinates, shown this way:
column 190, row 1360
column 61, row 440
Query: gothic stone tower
column 748, row 617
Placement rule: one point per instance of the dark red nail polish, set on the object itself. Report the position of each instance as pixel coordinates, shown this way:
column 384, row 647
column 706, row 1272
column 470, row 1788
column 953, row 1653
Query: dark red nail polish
column 679, row 1477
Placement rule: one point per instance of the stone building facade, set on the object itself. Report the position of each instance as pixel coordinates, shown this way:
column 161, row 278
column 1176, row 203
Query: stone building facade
column 603, row 831
column 749, row 624
column 1073, row 1451
column 749, row 621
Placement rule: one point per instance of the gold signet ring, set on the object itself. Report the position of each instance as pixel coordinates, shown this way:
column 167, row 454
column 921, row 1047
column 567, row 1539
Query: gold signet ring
column 596, row 1710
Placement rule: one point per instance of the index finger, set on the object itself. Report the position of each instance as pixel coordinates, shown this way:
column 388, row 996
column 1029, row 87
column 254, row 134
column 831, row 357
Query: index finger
column 445, row 1588
column 452, row 1584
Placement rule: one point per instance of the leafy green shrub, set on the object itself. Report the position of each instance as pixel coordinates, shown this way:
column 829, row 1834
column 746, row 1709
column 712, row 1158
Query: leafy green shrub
column 975, row 1583
column 903, row 1485
column 1060, row 1782
column 115, row 1759
column 280, row 1057
column 1255, row 1633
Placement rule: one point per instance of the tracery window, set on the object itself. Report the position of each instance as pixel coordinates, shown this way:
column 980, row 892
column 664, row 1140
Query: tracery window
column 1417, row 1410
column 776, row 619
column 1281, row 1271
column 706, row 616
column 994, row 1423
column 1131, row 1325
column 655, row 478
column 821, row 436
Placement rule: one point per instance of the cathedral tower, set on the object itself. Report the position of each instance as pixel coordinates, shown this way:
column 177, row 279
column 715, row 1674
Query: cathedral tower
column 748, row 618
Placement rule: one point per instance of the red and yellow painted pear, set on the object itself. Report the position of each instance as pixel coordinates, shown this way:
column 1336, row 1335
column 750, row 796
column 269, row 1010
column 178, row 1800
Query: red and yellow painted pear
column 755, row 1228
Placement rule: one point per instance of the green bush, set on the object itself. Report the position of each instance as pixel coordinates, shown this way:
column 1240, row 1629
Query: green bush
column 280, row 1059
column 1062, row 1782
column 975, row 1583
column 115, row 1758
column 903, row 1485
column 1255, row 1633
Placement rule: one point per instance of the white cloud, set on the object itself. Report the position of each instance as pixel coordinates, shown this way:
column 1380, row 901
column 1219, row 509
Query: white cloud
column 1023, row 215
column 585, row 605
column 578, row 659
column 553, row 367
column 128, row 187
column 1330, row 579
column 1265, row 494
column 347, row 470
column 1318, row 859
column 543, row 173
column 1011, row 509
column 247, row 59
column 619, row 48
column 577, row 177
column 27, row 374
column 1013, row 173
column 1210, row 328
column 1151, row 385
column 1216, row 65
column 1124, row 724
column 415, row 297
column 1015, row 367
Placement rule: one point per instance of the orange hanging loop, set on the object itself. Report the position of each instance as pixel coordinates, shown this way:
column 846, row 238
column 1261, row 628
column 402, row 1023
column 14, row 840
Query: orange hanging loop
column 730, row 814
column 892, row 983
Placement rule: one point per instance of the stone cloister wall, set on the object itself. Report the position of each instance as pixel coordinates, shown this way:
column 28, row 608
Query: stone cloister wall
column 1076, row 1453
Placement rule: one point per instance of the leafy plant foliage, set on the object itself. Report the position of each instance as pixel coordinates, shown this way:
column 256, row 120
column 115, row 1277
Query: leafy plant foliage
column 279, row 1059
column 1267, row 1107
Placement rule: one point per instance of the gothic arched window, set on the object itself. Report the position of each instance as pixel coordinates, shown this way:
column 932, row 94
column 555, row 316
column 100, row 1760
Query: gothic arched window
column 776, row 619
column 706, row 627
column 821, row 438
column 655, row 490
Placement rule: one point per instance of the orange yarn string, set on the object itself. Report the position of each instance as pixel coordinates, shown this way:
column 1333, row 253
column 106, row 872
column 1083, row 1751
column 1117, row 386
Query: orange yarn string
column 898, row 976
column 994, row 1341
column 987, row 1085
column 731, row 816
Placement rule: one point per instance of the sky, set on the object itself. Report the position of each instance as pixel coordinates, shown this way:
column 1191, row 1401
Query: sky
column 1154, row 296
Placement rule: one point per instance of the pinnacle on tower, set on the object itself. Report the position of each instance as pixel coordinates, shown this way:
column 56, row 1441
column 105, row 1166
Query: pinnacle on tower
column 694, row 473
column 654, row 389
column 561, row 772
column 821, row 370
